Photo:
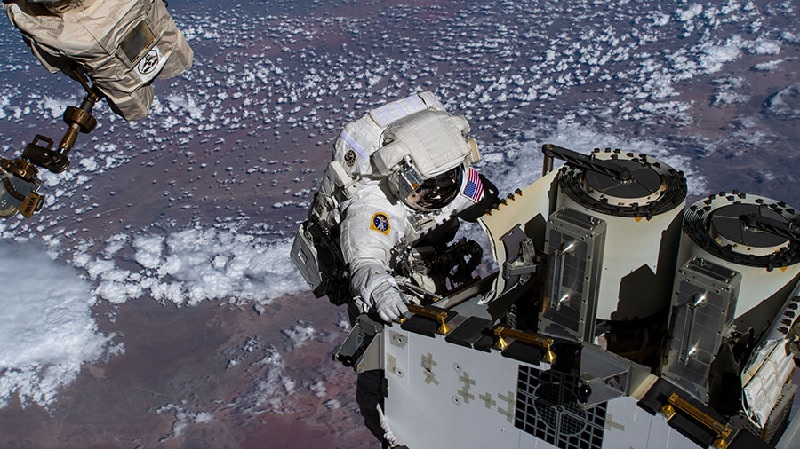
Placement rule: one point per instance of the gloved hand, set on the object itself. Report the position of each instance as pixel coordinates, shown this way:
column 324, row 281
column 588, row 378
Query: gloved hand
column 388, row 302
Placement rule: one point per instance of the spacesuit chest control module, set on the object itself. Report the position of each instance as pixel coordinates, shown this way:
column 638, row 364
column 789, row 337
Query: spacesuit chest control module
column 120, row 45
column 399, row 178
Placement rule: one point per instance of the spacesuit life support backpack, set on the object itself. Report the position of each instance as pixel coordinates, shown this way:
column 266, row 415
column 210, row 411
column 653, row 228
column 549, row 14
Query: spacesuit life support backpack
column 390, row 141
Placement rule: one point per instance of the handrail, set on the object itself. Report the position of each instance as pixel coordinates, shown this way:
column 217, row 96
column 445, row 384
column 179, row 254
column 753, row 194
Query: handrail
column 539, row 340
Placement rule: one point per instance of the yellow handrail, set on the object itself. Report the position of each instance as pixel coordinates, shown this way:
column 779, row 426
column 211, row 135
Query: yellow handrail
column 545, row 342
column 440, row 316
column 674, row 401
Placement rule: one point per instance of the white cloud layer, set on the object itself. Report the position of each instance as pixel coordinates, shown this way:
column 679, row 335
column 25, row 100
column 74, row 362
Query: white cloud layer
column 512, row 165
column 194, row 265
column 46, row 329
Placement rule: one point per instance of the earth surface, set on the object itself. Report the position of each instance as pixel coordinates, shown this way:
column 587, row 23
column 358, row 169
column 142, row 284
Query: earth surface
column 178, row 226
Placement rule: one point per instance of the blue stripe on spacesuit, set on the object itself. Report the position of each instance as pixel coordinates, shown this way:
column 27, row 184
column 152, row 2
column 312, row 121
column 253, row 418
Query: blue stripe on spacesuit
column 354, row 145
column 397, row 109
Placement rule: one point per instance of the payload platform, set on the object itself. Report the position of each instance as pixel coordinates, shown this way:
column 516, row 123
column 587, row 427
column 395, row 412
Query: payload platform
column 617, row 318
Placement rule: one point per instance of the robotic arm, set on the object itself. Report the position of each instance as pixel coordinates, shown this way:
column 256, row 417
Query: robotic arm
column 120, row 46
column 18, row 193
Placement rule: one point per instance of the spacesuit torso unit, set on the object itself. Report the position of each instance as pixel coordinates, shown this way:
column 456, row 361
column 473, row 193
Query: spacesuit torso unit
column 121, row 45
column 397, row 174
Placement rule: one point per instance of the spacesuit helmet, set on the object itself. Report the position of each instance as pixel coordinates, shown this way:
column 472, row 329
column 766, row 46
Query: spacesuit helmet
column 423, row 156
column 429, row 194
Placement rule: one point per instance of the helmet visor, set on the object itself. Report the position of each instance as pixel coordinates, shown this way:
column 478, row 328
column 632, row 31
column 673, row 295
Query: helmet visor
column 436, row 192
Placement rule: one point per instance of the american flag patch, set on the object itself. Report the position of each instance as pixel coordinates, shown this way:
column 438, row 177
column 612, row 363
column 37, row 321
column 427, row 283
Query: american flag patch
column 474, row 187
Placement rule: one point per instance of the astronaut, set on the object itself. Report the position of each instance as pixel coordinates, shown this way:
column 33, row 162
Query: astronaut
column 400, row 179
column 408, row 208
column 121, row 45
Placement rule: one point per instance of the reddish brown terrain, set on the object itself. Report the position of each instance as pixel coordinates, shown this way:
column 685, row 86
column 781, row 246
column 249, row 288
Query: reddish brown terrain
column 176, row 365
column 234, row 148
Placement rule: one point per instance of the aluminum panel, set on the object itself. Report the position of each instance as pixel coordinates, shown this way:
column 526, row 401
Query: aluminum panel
column 574, row 246
column 703, row 307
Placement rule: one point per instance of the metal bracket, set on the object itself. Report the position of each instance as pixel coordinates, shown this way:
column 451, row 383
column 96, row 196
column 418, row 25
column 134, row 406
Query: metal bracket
column 524, row 263
column 361, row 348
column 675, row 403
column 45, row 156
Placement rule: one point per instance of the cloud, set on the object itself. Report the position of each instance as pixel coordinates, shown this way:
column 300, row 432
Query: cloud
column 517, row 163
column 785, row 103
column 46, row 329
column 194, row 265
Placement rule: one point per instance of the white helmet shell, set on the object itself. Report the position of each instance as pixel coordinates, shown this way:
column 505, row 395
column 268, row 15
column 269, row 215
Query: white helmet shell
column 361, row 138
column 432, row 141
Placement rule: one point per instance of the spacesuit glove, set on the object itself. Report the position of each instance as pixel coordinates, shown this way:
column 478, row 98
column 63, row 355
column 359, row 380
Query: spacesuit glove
column 389, row 302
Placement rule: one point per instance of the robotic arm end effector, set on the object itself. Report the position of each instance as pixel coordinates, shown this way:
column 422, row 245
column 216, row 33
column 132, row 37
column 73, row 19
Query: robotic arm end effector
column 18, row 193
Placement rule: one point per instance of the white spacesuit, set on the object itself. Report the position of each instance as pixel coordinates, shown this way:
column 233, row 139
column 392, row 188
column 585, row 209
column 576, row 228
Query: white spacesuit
column 121, row 45
column 397, row 173
column 376, row 221
column 400, row 178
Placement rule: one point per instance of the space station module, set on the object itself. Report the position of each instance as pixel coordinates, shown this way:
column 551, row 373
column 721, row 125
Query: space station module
column 397, row 173
column 617, row 318
column 121, row 45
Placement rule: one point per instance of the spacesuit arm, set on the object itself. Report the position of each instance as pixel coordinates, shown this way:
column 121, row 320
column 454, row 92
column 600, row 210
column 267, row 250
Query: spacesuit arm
column 371, row 227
